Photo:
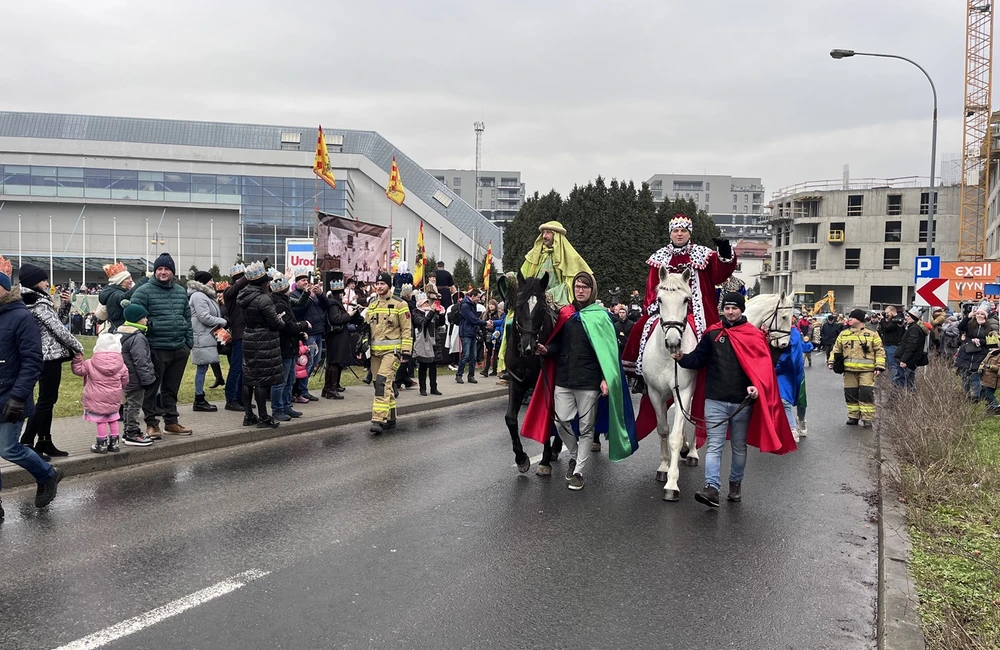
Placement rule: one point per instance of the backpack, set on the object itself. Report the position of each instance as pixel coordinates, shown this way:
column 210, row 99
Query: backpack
column 453, row 316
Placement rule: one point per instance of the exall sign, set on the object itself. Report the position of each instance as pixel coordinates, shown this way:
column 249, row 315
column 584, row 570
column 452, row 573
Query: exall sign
column 300, row 254
column 968, row 280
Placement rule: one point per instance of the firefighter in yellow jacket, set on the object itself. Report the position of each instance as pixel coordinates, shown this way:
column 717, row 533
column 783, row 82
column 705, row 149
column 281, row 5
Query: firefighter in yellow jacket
column 391, row 341
column 864, row 359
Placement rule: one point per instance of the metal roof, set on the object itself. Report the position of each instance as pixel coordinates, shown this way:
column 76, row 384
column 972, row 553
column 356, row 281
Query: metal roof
column 369, row 144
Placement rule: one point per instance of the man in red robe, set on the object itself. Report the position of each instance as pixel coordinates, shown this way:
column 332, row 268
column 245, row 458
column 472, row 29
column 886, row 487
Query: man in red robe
column 738, row 398
column 708, row 269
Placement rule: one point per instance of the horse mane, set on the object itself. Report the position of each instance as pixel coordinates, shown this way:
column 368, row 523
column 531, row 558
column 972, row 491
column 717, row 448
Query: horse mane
column 674, row 282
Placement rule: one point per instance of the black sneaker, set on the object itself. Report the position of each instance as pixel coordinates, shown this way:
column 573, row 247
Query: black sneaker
column 734, row 491
column 852, row 422
column 250, row 420
column 423, row 392
column 575, row 483
column 571, row 468
column 47, row 489
column 137, row 440
column 472, row 379
column 267, row 423
column 233, row 406
column 708, row 495
column 435, row 391
column 311, row 397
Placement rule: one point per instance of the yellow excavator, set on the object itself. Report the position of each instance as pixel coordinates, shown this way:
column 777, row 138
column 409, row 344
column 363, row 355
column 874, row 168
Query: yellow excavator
column 827, row 301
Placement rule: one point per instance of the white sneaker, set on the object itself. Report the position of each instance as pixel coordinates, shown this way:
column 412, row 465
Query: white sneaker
column 803, row 432
column 453, row 368
column 795, row 435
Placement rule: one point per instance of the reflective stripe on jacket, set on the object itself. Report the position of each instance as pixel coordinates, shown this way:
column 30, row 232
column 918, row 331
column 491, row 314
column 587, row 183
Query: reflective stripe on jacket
column 391, row 330
column 862, row 350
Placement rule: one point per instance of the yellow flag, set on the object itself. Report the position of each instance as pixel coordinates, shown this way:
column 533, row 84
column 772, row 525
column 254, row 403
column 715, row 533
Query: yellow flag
column 421, row 260
column 488, row 266
column 322, row 165
column 395, row 190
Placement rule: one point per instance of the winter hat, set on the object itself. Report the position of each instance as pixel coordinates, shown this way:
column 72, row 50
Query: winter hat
column 164, row 260
column 584, row 278
column 108, row 342
column 237, row 270
column 255, row 271
column 384, row 277
column 682, row 221
column 117, row 273
column 203, row 276
column 30, row 275
column 914, row 313
column 135, row 313
column 279, row 284
column 735, row 299
column 858, row 314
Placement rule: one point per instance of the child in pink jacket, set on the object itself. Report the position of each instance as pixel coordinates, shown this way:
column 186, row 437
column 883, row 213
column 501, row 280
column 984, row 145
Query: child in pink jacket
column 104, row 378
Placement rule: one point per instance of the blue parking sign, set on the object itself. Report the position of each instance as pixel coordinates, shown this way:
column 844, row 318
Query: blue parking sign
column 926, row 266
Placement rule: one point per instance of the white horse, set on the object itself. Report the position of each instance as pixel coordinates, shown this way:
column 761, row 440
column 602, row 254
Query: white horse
column 773, row 311
column 666, row 380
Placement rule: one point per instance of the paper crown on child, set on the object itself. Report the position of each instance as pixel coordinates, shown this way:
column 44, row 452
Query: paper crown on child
column 279, row 283
column 237, row 269
column 221, row 286
column 255, row 271
column 6, row 267
column 337, row 285
column 117, row 273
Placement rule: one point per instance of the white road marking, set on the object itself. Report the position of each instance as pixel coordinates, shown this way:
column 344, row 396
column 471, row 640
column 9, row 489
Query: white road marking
column 154, row 616
column 531, row 461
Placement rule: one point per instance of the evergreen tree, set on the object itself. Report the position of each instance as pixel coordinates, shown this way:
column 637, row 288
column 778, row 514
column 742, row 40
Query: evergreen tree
column 462, row 274
column 520, row 234
column 216, row 273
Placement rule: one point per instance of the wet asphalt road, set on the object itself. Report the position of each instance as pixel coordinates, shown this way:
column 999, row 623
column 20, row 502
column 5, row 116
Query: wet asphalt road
column 428, row 538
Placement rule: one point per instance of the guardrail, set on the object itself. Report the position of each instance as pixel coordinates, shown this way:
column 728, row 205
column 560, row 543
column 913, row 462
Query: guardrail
column 852, row 184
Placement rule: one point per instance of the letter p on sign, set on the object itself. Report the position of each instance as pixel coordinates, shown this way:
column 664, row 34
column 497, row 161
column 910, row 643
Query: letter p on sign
column 926, row 266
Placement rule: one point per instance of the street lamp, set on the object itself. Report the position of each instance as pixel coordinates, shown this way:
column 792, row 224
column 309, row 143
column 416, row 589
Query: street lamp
column 846, row 54
column 157, row 241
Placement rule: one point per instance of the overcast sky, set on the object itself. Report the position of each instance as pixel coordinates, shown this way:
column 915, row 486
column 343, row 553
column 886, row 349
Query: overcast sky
column 568, row 89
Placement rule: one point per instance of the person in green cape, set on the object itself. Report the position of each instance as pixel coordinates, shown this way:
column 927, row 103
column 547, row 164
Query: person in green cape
column 553, row 254
column 582, row 384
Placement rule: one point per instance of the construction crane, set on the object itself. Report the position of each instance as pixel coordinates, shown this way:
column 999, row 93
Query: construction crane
column 976, row 141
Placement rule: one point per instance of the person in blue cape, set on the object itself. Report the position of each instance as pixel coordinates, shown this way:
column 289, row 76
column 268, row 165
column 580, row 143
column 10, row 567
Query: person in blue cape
column 582, row 384
column 791, row 371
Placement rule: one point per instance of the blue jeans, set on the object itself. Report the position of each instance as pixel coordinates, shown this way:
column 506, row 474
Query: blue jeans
column 715, row 413
column 891, row 365
column 315, row 344
column 468, row 356
column 11, row 449
column 234, row 382
column 281, row 394
column 199, row 379
column 789, row 413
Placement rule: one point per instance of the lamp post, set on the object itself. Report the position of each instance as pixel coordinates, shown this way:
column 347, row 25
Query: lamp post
column 846, row 54
column 157, row 241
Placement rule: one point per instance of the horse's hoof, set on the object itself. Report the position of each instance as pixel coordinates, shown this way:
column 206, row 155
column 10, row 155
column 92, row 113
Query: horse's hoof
column 524, row 465
column 661, row 477
column 544, row 470
column 691, row 461
column 685, row 450
column 671, row 495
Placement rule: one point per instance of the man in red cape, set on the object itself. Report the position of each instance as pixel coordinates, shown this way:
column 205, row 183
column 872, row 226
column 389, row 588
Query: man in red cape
column 737, row 397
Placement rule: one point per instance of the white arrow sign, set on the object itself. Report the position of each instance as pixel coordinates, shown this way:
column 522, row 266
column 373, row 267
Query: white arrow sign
column 931, row 292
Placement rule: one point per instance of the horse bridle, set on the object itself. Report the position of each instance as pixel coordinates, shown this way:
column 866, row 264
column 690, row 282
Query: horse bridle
column 772, row 326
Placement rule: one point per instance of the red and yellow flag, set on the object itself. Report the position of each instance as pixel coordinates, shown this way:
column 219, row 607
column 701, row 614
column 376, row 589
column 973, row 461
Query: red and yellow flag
column 395, row 190
column 421, row 260
column 322, row 165
column 488, row 266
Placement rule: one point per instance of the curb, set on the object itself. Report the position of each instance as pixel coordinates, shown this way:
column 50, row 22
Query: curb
column 132, row 456
column 898, row 617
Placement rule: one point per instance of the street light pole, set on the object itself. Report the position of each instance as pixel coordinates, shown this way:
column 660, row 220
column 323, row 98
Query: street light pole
column 931, row 199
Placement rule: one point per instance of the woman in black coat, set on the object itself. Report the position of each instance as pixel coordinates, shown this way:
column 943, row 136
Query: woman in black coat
column 909, row 351
column 973, row 350
column 261, row 350
column 339, row 351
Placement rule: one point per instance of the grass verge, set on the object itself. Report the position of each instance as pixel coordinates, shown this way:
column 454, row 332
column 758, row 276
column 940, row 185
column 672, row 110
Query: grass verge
column 949, row 476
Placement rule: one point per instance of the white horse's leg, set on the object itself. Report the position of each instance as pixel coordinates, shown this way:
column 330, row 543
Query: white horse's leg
column 671, row 491
column 661, row 429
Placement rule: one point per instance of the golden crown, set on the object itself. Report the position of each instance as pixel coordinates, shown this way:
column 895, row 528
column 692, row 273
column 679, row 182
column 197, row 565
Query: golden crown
column 114, row 269
column 6, row 267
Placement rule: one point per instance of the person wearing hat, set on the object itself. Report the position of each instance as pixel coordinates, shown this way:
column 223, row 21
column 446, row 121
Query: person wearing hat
column 21, row 350
column 910, row 351
column 553, row 254
column 206, row 317
column 708, row 267
column 120, row 287
column 425, row 323
column 262, row 367
column 864, row 360
column 309, row 304
column 237, row 328
column 138, row 359
column 891, row 329
column 339, row 350
column 58, row 347
column 978, row 337
column 391, row 336
column 289, row 338
column 829, row 331
column 171, row 339
column 737, row 395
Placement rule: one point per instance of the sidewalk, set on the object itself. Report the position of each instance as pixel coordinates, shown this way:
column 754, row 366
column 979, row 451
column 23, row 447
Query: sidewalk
column 224, row 428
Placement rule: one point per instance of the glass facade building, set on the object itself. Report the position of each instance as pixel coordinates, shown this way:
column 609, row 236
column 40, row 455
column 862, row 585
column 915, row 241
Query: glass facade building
column 263, row 201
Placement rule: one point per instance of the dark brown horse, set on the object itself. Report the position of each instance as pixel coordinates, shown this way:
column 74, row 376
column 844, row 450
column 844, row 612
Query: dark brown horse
column 532, row 324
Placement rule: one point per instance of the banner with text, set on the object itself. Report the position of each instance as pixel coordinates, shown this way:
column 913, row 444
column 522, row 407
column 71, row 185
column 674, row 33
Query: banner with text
column 352, row 247
column 299, row 254
column 967, row 280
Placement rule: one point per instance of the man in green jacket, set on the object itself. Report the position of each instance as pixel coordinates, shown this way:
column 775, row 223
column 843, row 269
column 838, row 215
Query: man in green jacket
column 170, row 340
